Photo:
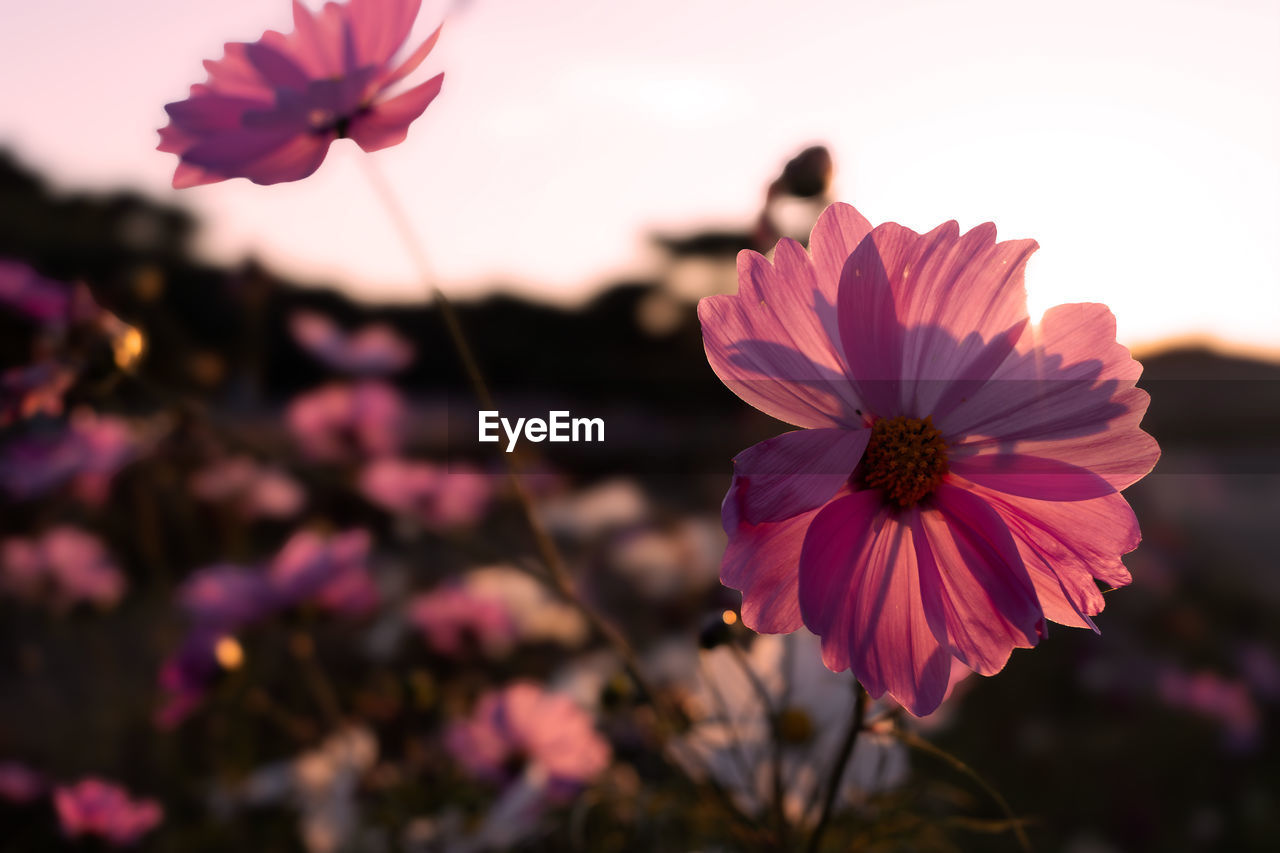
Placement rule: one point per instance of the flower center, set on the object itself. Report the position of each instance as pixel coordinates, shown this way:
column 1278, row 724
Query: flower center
column 906, row 457
column 795, row 726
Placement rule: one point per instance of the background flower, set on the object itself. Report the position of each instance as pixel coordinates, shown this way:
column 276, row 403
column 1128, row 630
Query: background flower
column 269, row 109
column 95, row 807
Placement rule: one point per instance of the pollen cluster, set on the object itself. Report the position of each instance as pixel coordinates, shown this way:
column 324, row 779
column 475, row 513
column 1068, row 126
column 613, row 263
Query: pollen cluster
column 906, row 458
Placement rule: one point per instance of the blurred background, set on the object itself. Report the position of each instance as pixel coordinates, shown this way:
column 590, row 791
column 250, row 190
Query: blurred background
column 590, row 171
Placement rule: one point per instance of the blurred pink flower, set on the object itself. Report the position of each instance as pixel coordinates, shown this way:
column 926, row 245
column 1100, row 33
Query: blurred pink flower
column 87, row 453
column 957, row 481
column 1260, row 668
column 27, row 292
column 94, row 807
column 36, row 389
column 374, row 350
column 19, row 784
column 351, row 593
column 1225, row 700
column 251, row 489
column 270, row 109
column 524, row 731
column 339, row 421
column 331, row 572
column 185, row 678
column 439, row 496
column 66, row 563
column 453, row 618
column 226, row 598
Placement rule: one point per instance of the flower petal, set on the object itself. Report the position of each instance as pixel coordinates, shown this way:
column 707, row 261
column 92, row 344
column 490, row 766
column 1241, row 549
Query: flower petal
column 412, row 61
column 317, row 40
column 860, row 590
column 964, row 306
column 762, row 561
column 796, row 471
column 1068, row 394
column 280, row 71
column 262, row 157
column 212, row 112
column 1066, row 545
column 923, row 313
column 1031, row 476
column 976, row 587
column 870, row 334
column 387, row 123
column 379, row 27
column 774, row 343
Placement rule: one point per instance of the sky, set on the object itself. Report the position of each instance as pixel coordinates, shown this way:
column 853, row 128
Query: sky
column 1138, row 141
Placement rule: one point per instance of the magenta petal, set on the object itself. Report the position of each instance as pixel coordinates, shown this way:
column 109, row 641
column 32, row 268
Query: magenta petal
column 317, row 39
column 975, row 585
column 229, row 151
column 412, row 61
column 276, row 67
column 796, row 471
column 762, row 561
column 971, row 284
column 962, row 300
column 869, row 328
column 1031, row 476
column 187, row 175
column 293, row 162
column 379, row 27
column 776, row 343
column 860, row 590
column 1066, row 545
column 387, row 123
column 837, row 233
column 207, row 113
column 1068, row 394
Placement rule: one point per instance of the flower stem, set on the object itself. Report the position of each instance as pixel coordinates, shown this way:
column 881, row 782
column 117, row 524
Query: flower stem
column 302, row 646
column 773, row 714
column 837, row 770
column 557, row 573
column 919, row 743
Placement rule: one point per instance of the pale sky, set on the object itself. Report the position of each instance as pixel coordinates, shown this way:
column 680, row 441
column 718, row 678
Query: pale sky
column 1137, row 140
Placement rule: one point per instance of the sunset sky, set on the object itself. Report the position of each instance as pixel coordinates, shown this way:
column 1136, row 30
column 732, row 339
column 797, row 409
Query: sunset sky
column 1138, row 142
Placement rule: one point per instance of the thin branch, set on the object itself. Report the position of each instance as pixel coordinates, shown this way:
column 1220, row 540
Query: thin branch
column 919, row 743
column 774, row 715
column 837, row 770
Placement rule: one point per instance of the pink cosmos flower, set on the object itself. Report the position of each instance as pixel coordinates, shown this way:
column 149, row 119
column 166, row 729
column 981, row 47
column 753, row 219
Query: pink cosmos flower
column 87, row 454
column 252, row 490
column 339, row 421
column 185, row 678
column 94, row 807
column 19, row 784
column 374, row 350
column 27, row 292
column 36, row 389
column 66, row 563
column 957, row 479
column 1226, row 700
column 438, row 496
column 454, row 616
column 330, row 572
column 523, row 731
column 226, row 598
column 269, row 109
